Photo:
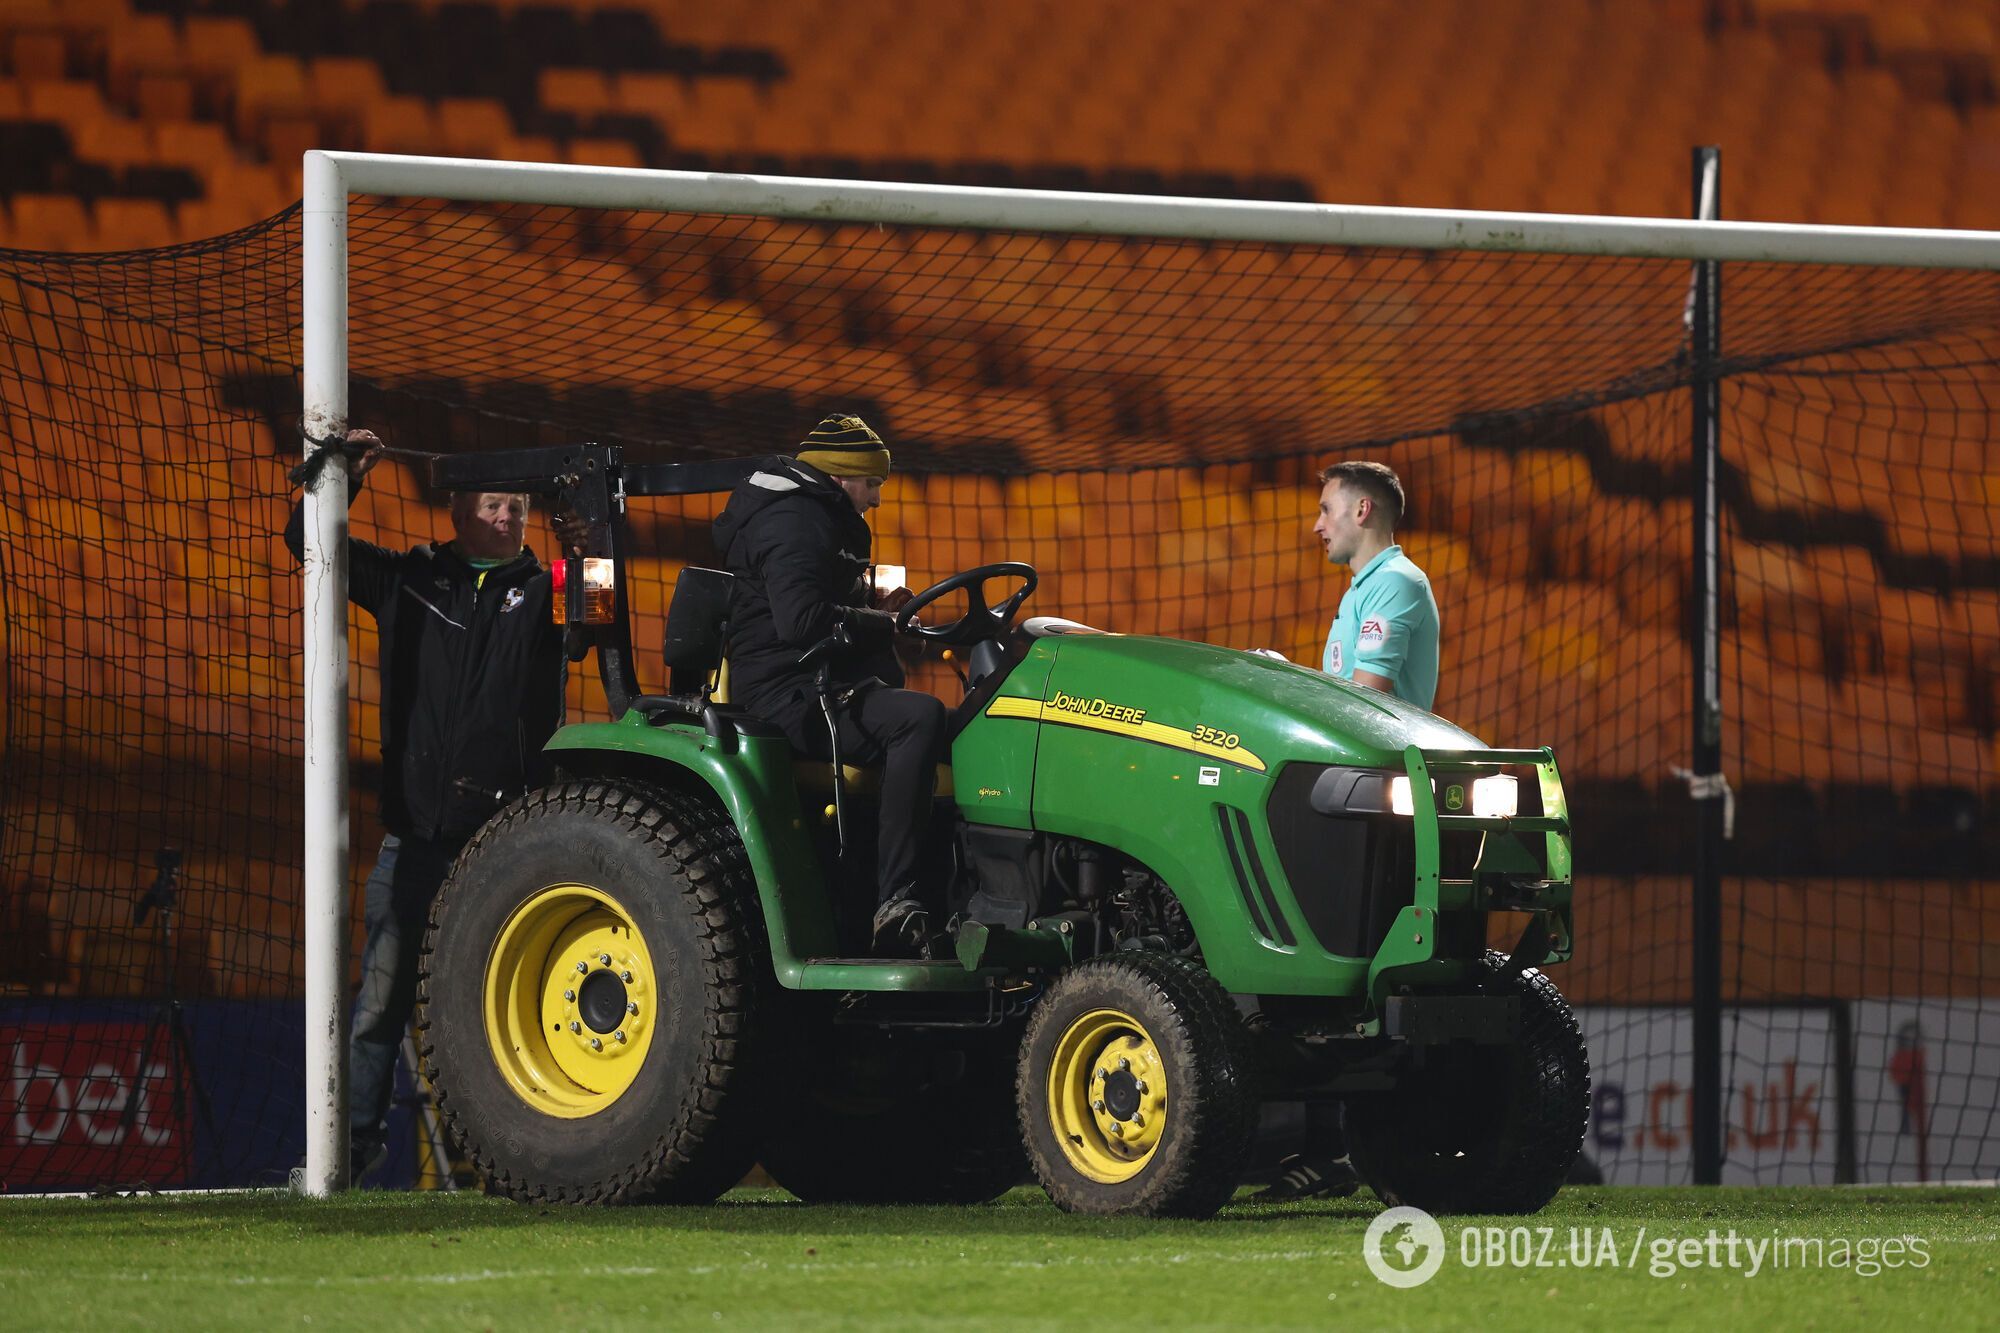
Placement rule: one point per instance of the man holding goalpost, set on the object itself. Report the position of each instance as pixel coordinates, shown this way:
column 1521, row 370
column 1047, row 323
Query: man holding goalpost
column 472, row 687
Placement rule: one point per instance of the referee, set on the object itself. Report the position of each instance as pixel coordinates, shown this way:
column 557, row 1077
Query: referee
column 1385, row 636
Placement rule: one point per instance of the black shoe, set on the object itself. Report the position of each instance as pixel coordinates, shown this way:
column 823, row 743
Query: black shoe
column 1310, row 1178
column 902, row 928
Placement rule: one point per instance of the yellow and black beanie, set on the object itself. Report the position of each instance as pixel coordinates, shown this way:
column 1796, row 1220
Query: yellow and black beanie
column 844, row 446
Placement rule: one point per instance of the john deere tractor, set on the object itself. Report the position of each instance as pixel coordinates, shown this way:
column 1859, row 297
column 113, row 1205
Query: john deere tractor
column 1181, row 880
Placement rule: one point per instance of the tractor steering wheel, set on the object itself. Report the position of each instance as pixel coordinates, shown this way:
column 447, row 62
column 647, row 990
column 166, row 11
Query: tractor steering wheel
column 979, row 623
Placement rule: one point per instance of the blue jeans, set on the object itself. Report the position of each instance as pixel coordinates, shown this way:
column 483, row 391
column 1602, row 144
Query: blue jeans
column 407, row 875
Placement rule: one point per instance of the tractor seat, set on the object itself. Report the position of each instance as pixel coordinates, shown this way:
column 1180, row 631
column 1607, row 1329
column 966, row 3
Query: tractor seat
column 697, row 626
column 694, row 650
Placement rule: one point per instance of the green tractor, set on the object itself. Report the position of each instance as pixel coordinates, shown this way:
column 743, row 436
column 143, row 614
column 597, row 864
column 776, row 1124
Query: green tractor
column 1182, row 880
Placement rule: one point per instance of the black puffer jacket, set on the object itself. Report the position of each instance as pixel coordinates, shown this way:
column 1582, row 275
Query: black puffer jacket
column 472, row 681
column 798, row 548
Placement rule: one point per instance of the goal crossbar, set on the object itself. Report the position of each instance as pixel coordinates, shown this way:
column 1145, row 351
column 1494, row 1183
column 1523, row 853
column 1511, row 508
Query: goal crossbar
column 895, row 204
column 331, row 178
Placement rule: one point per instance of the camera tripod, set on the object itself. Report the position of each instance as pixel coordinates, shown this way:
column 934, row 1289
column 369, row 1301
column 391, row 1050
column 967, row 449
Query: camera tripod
column 167, row 1026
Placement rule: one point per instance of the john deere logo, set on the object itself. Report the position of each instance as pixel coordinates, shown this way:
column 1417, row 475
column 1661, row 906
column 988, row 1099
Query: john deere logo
column 1454, row 798
column 1104, row 708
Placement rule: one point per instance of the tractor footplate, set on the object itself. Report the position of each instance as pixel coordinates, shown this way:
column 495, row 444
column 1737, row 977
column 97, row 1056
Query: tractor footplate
column 1431, row 1020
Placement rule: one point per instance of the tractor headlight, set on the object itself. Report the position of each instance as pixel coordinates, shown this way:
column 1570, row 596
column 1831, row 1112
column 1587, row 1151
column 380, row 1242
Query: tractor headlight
column 1496, row 797
column 1492, row 798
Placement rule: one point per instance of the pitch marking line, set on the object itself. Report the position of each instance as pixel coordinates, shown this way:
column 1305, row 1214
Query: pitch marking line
column 692, row 1270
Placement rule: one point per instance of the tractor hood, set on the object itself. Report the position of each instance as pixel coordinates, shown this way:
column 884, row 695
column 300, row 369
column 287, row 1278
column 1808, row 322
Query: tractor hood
column 1251, row 710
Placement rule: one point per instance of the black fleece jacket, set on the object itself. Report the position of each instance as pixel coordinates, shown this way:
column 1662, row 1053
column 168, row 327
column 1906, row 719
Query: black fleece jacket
column 798, row 548
column 473, row 674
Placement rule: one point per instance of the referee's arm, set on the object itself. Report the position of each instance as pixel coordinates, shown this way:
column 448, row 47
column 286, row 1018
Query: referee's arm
column 1373, row 681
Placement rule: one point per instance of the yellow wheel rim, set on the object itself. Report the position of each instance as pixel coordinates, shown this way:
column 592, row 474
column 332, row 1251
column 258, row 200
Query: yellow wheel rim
column 571, row 1001
column 1107, row 1096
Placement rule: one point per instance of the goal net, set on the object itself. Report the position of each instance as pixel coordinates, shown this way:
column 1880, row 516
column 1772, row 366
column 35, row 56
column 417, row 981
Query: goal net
column 1141, row 417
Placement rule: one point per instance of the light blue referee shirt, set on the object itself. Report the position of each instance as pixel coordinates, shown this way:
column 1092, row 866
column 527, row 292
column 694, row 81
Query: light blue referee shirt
column 1388, row 624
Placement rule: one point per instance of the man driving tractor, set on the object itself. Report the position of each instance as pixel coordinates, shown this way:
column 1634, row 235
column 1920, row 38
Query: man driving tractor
column 796, row 536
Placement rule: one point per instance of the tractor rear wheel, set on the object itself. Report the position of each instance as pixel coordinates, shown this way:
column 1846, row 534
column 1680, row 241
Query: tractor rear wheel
column 1135, row 1088
column 590, row 995
column 1482, row 1129
column 866, row 1116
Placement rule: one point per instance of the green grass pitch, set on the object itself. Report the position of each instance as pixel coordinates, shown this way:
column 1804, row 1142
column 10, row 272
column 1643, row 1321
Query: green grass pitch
column 386, row 1261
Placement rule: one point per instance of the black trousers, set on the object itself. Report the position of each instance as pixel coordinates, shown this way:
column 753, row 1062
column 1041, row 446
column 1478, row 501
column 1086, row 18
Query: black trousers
column 904, row 732
column 406, row 878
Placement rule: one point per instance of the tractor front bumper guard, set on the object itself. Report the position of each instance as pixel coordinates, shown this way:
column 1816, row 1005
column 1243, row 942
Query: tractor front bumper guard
column 1508, row 876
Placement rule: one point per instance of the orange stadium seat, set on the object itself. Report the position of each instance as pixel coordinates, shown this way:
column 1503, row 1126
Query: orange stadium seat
column 90, row 18
column 635, row 93
column 718, row 113
column 48, row 221
column 157, row 97
column 602, row 152
column 132, row 224
column 584, row 93
column 141, row 44
column 473, row 126
column 115, row 141
column 216, row 46
column 267, row 87
column 193, row 143
column 345, row 84
column 66, row 101
column 36, row 53
column 399, row 123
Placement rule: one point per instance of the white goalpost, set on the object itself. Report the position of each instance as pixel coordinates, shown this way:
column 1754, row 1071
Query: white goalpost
column 332, row 178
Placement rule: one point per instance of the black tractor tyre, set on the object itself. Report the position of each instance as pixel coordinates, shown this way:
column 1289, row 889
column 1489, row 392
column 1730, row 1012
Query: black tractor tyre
column 1209, row 1110
column 1482, row 1129
column 851, row 1120
column 684, row 1129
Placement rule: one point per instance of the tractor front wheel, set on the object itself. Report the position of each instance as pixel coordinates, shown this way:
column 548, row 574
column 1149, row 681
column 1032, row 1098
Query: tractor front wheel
column 1482, row 1129
column 1134, row 1089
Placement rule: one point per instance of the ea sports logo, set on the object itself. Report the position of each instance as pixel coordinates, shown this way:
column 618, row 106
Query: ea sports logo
column 1404, row 1247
